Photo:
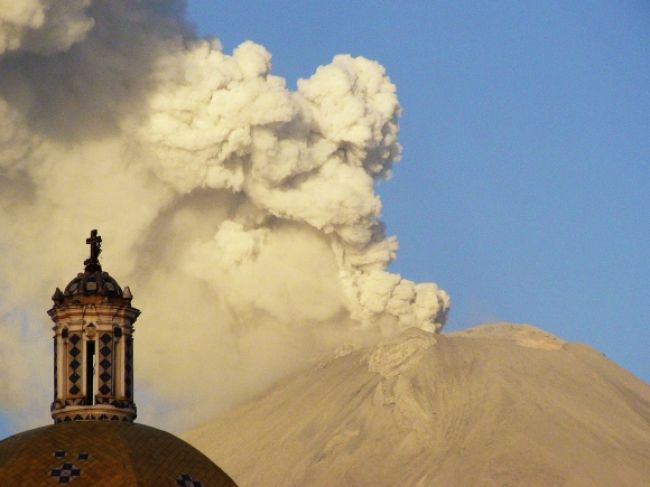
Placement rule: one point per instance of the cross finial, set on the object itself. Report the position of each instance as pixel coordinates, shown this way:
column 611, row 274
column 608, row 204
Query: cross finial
column 95, row 242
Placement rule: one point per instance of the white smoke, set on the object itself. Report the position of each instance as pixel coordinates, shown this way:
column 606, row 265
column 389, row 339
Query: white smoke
column 42, row 26
column 242, row 214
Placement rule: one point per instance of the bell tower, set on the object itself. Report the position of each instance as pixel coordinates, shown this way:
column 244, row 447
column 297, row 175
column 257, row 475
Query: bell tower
column 93, row 345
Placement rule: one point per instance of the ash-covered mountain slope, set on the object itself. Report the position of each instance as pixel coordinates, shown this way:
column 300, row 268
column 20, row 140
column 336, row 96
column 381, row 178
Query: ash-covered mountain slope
column 497, row 405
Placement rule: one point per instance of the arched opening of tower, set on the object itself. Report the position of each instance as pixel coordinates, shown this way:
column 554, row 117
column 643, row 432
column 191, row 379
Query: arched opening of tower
column 90, row 372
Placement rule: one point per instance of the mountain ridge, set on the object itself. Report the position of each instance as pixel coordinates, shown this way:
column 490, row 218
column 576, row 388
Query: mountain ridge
column 496, row 405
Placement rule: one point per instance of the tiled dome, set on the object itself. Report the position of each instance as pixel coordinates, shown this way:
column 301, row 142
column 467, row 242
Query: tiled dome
column 96, row 453
column 96, row 282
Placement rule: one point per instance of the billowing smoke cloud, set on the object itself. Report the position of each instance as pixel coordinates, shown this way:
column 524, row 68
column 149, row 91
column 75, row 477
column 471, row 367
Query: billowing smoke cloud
column 42, row 26
column 242, row 214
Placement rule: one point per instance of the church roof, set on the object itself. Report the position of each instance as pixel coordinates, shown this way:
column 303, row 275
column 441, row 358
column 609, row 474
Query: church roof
column 93, row 441
column 97, row 453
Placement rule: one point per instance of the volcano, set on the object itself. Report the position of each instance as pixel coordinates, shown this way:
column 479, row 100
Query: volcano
column 495, row 405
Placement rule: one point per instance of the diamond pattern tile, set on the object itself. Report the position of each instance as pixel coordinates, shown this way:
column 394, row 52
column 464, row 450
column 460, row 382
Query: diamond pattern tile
column 74, row 365
column 105, row 351
column 105, row 376
column 65, row 473
column 106, row 338
column 184, row 480
column 128, row 368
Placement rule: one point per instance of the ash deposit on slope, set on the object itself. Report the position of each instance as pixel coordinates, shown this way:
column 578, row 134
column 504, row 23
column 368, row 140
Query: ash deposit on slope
column 243, row 213
column 495, row 405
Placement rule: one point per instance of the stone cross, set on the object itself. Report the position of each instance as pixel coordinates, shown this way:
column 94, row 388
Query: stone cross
column 95, row 242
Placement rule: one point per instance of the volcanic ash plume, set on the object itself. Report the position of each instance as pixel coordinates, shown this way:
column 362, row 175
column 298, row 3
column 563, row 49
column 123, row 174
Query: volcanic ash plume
column 242, row 214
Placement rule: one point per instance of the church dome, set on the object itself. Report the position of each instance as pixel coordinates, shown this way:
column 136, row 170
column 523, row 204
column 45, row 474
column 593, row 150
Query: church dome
column 99, row 453
column 93, row 441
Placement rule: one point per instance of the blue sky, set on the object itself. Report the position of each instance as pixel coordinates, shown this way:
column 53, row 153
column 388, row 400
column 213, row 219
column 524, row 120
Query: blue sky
column 524, row 184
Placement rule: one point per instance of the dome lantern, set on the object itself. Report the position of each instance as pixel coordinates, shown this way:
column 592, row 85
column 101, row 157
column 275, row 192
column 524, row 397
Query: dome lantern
column 93, row 345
